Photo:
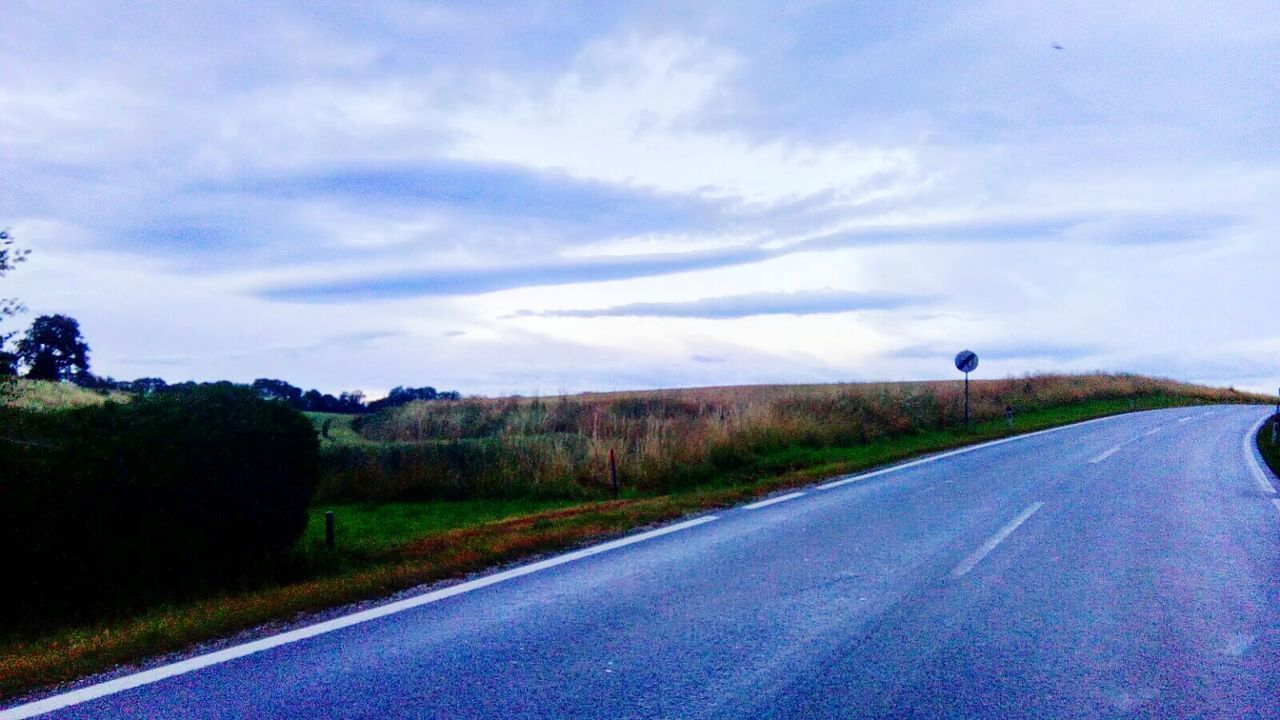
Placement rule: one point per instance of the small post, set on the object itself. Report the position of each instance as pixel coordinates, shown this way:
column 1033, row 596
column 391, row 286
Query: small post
column 1008, row 415
column 328, row 529
column 1275, row 429
column 613, row 472
column 966, row 398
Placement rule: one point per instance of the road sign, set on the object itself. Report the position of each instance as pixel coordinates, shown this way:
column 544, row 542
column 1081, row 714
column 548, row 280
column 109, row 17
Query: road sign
column 966, row 362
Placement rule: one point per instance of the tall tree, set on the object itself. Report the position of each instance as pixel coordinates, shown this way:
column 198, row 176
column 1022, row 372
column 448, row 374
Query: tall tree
column 9, row 257
column 53, row 349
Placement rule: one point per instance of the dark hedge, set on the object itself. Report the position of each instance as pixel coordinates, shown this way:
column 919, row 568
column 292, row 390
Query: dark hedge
column 121, row 504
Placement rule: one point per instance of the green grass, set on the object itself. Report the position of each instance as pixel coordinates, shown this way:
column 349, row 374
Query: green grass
column 39, row 395
column 339, row 432
column 391, row 546
column 372, row 529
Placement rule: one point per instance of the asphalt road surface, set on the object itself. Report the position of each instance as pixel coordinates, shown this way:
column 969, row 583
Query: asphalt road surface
column 1124, row 567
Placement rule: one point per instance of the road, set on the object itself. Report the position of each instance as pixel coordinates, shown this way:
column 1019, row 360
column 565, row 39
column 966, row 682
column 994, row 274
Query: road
column 1124, row 567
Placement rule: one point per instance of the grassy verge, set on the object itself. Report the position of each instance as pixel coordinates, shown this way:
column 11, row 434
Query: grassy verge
column 1270, row 451
column 388, row 547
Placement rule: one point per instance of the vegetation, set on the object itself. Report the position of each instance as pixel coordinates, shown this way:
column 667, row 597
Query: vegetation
column 10, row 257
column 104, row 508
column 53, row 349
column 527, row 476
column 1270, row 450
column 44, row 395
column 669, row 440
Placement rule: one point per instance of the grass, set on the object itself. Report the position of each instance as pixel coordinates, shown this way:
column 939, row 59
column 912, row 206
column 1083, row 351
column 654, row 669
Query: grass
column 335, row 429
column 1270, row 451
column 26, row 394
column 372, row 529
column 668, row 440
column 386, row 547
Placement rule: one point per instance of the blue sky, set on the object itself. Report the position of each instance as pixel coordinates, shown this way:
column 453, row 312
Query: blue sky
column 548, row 197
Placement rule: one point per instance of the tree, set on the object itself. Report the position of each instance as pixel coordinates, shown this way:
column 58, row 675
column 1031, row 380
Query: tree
column 53, row 349
column 9, row 257
column 269, row 389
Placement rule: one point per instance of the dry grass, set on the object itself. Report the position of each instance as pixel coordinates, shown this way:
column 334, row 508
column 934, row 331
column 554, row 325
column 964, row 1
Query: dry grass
column 38, row 395
column 670, row 439
column 794, row 434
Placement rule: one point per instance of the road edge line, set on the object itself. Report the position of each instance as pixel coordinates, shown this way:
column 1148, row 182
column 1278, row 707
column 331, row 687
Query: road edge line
column 967, row 449
column 1254, row 457
column 156, row 674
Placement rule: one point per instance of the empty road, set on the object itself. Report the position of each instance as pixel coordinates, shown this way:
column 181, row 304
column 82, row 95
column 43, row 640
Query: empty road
column 1123, row 567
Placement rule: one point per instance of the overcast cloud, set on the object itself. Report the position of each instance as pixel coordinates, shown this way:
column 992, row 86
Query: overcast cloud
column 544, row 197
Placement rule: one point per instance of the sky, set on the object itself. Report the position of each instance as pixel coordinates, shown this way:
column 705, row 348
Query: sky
column 542, row 198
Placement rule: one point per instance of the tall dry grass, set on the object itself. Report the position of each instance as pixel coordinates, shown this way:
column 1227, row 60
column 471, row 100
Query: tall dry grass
column 665, row 439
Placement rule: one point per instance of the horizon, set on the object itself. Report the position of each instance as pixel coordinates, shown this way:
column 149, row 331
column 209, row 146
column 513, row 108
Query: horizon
column 570, row 198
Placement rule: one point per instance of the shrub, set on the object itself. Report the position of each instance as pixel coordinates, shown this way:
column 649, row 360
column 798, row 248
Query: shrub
column 102, row 505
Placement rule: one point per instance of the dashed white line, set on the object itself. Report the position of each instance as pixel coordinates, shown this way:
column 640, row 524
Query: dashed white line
column 1277, row 502
column 1112, row 451
column 953, row 453
column 772, row 501
column 976, row 557
column 1151, row 432
column 1207, row 414
column 120, row 684
column 1188, row 418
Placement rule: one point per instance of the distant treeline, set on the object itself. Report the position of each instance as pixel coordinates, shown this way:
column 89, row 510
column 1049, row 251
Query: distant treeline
column 270, row 389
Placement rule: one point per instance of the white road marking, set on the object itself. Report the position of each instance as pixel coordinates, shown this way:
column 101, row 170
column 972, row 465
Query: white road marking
column 953, row 453
column 1251, row 454
column 1277, row 502
column 1113, row 450
column 146, row 677
column 1149, row 433
column 991, row 543
column 772, row 501
column 1207, row 414
column 1188, row 418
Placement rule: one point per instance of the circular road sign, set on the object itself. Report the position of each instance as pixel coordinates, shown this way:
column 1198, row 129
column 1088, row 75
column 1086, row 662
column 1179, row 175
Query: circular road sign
column 966, row 361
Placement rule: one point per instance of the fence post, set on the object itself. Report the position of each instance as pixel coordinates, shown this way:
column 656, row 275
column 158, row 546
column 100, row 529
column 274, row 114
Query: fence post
column 328, row 529
column 613, row 472
column 1008, row 415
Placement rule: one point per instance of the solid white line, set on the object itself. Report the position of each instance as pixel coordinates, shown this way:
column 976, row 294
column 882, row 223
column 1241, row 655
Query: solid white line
column 953, row 453
column 147, row 677
column 1277, row 502
column 1207, row 414
column 1251, row 454
column 971, row 561
column 772, row 501
column 1149, row 433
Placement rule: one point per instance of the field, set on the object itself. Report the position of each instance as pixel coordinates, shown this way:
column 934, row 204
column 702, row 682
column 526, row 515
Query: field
column 436, row 490
column 665, row 441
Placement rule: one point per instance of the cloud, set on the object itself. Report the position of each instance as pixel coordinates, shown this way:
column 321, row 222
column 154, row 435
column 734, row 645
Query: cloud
column 803, row 302
column 1062, row 353
column 478, row 280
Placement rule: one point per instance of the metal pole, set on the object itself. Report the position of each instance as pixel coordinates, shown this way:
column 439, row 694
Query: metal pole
column 328, row 529
column 613, row 472
column 966, row 398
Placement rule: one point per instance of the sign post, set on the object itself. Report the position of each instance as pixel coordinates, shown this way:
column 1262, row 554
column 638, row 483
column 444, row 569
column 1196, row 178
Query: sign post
column 966, row 362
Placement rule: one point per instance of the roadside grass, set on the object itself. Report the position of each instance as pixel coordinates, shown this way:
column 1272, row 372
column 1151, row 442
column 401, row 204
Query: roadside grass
column 388, row 547
column 37, row 395
column 1270, row 451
